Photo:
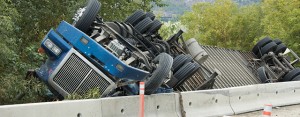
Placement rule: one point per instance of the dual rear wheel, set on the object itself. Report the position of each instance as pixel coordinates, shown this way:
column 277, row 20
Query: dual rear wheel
column 267, row 45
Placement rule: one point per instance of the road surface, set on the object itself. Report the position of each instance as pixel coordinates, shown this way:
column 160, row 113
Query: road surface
column 286, row 111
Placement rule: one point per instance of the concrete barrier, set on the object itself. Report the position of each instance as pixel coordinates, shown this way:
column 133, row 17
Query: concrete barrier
column 159, row 105
column 251, row 98
column 285, row 93
column 166, row 105
column 207, row 103
column 77, row 108
column 120, row 106
column 216, row 102
column 247, row 98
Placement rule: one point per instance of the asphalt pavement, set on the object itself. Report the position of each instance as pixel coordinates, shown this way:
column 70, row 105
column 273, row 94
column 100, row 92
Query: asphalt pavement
column 286, row 111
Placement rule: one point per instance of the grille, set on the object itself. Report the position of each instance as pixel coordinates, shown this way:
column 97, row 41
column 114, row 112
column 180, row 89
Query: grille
column 75, row 76
column 93, row 80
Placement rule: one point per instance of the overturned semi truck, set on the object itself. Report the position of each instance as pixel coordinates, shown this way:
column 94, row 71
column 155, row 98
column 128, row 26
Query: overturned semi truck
column 115, row 56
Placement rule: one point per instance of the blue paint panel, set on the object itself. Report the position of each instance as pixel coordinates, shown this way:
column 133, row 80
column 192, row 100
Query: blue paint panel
column 58, row 41
column 54, row 60
column 92, row 48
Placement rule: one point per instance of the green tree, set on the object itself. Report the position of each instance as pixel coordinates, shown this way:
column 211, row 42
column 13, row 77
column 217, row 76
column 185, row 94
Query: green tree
column 118, row 10
column 281, row 20
column 246, row 27
column 224, row 24
column 8, row 39
column 11, row 84
column 211, row 22
column 168, row 29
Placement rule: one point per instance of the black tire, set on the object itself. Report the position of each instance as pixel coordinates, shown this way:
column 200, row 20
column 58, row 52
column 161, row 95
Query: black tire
column 171, row 83
column 260, row 44
column 137, row 16
column 178, row 62
column 175, row 81
column 88, row 16
column 189, row 58
column 184, row 72
column 196, row 66
column 143, row 25
column 155, row 27
column 268, row 48
column 159, row 74
column 297, row 78
column 292, row 74
column 277, row 41
column 150, row 15
column 280, row 49
column 262, row 74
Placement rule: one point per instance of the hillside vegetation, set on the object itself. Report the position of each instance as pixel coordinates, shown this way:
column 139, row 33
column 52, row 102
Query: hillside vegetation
column 225, row 24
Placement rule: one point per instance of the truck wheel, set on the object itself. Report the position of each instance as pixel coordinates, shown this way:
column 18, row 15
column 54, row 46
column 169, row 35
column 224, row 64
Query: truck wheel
column 186, row 71
column 159, row 74
column 267, row 48
column 84, row 20
column 137, row 16
column 277, row 41
column 155, row 27
column 150, row 15
column 143, row 25
column 280, row 49
column 260, row 44
column 292, row 74
column 297, row 78
column 189, row 58
column 171, row 83
column 178, row 62
column 262, row 74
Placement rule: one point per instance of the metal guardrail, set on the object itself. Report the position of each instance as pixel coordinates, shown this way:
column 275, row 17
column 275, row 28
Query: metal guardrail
column 216, row 102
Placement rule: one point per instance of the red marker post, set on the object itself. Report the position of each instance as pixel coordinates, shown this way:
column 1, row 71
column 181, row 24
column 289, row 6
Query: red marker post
column 142, row 103
column 267, row 110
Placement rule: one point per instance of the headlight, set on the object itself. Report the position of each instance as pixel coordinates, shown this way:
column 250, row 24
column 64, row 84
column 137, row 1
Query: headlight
column 56, row 50
column 51, row 46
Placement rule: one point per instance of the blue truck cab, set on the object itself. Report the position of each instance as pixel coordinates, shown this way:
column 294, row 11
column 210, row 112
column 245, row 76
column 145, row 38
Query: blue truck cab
column 76, row 63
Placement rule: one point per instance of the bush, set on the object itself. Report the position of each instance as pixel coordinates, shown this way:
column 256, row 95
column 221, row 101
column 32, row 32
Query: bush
column 91, row 94
column 16, row 90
